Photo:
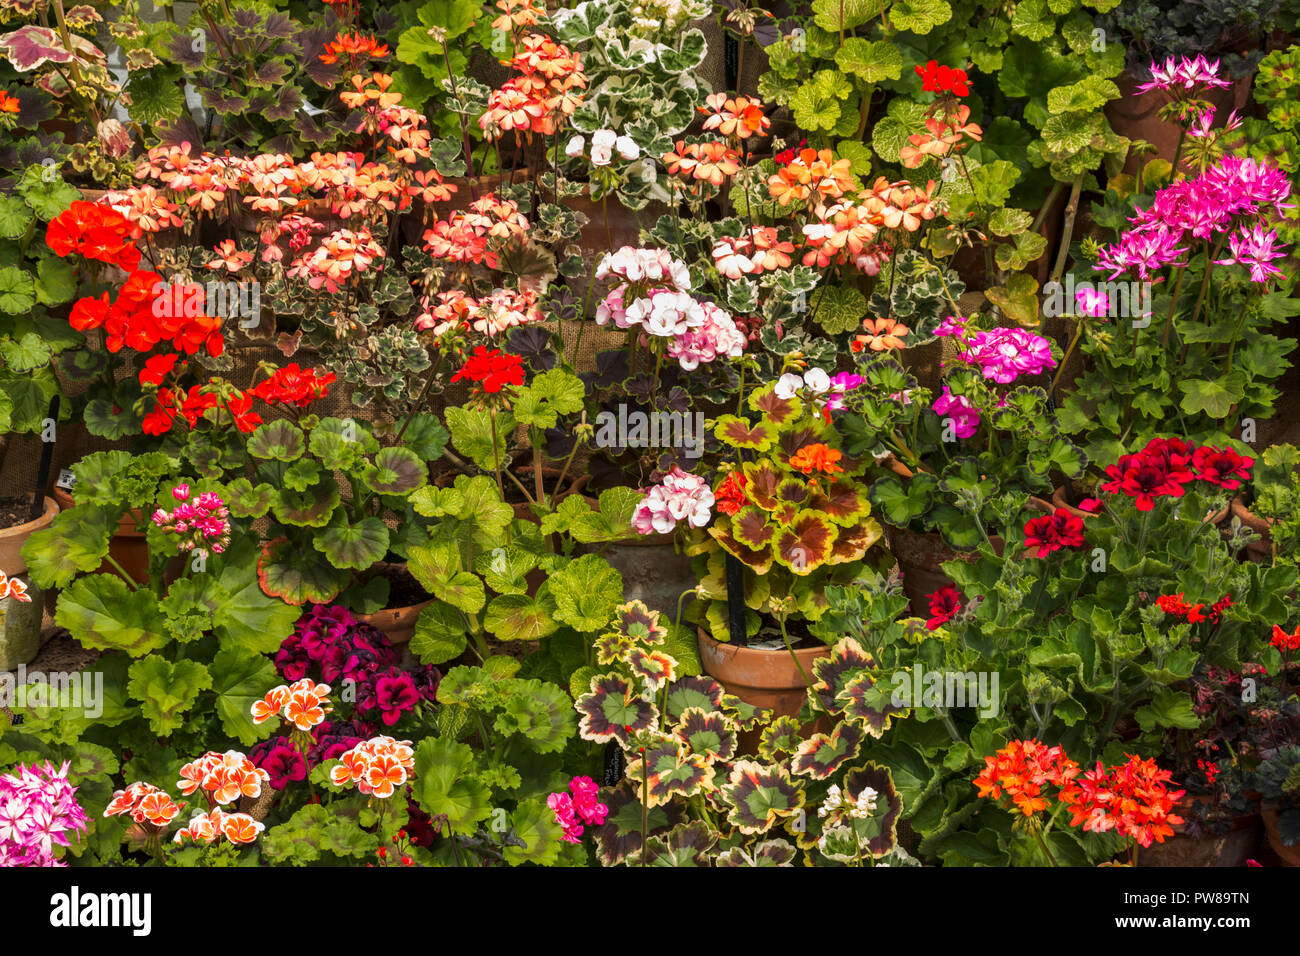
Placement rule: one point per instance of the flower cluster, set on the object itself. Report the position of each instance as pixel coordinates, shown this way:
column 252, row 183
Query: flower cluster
column 223, row 778
column 377, row 766
column 341, row 256
column 143, row 316
column 710, row 162
column 285, row 761
column 38, row 811
column 292, row 385
column 491, row 315
column 401, row 128
column 1021, row 770
column 201, row 522
column 1229, row 197
column 817, row 457
column 1283, row 641
column 678, row 496
column 880, row 335
column 936, row 78
column 546, row 89
column 741, row 117
column 944, row 133
column 811, row 176
column 467, row 236
column 95, row 231
column 1166, row 465
column 303, row 703
column 330, row 642
column 491, row 370
column 1003, row 354
column 760, row 250
column 959, row 413
column 1049, row 533
column 197, row 403
column 718, row 335
column 145, row 804
column 1185, row 76
column 604, row 143
column 848, row 231
column 578, row 807
column 205, row 828
column 1131, row 799
column 1175, row 605
column 729, row 496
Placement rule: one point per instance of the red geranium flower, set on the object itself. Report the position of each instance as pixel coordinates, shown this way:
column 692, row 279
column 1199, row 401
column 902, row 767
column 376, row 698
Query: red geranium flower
column 945, row 604
column 157, row 367
column 294, row 386
column 1159, row 469
column 492, row 370
column 942, row 79
column 95, row 231
column 730, row 496
column 1284, row 641
column 1053, row 532
column 1221, row 466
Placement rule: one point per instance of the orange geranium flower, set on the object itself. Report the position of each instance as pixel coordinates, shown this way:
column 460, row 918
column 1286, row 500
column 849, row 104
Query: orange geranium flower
column 880, row 335
column 710, row 162
column 1021, row 769
column 8, row 104
column 816, row 457
column 354, row 46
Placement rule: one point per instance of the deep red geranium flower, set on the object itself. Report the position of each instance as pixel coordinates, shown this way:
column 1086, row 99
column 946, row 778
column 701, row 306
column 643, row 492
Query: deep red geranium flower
column 1284, row 641
column 942, row 79
column 1221, row 466
column 945, row 604
column 492, row 370
column 1049, row 533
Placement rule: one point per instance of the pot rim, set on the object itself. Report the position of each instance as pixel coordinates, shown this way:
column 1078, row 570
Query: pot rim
column 52, row 508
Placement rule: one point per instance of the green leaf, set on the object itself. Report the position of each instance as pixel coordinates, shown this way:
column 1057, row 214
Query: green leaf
column 919, row 16
column 586, row 591
column 870, row 60
column 443, row 785
column 1213, row 398
column 102, row 613
column 1169, row 708
column 357, row 546
column 396, row 471
column 166, row 690
column 533, row 823
column 519, row 617
column 472, row 434
column 279, row 440
column 440, row 635
column 838, row 308
column 56, row 280
column 842, row 15
column 1090, row 93
column 15, row 216
column 239, row 678
column 248, row 501
column 438, row 569
column 17, row 291
column 243, row 614
column 550, row 395
column 155, row 97
column 1033, row 19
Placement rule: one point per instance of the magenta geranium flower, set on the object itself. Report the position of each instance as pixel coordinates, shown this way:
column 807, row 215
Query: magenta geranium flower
column 1254, row 249
column 1005, row 354
column 956, row 408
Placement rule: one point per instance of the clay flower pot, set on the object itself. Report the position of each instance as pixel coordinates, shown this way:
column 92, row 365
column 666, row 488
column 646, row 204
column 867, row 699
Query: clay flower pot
column 654, row 571
column 20, row 629
column 398, row 622
column 1261, row 550
column 12, row 539
column 1289, row 855
column 128, row 547
column 762, row 678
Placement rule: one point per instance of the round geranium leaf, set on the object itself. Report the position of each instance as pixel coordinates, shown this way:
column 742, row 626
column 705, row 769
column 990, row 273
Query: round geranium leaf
column 307, row 509
column 295, row 575
column 278, row 441
column 613, row 710
column 357, row 546
column 246, row 500
column 396, row 471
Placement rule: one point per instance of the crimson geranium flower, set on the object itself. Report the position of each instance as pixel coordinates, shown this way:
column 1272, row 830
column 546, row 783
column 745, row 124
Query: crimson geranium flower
column 1221, row 466
column 942, row 79
column 945, row 604
column 1053, row 532
column 492, row 370
column 1159, row 469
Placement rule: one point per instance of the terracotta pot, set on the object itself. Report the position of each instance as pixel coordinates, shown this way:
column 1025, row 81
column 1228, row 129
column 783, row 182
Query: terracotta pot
column 1061, row 500
column 763, row 678
column 13, row 539
column 1289, row 855
column 1261, row 550
column 653, row 570
column 128, row 547
column 397, row 623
